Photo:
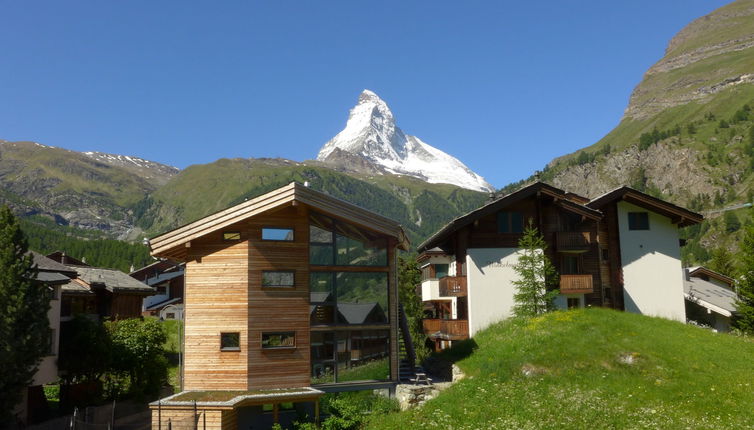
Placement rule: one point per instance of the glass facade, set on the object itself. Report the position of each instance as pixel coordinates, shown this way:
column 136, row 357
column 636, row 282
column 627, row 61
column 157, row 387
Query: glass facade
column 349, row 310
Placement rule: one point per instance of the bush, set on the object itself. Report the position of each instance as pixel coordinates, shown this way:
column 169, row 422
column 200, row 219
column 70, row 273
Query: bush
column 137, row 351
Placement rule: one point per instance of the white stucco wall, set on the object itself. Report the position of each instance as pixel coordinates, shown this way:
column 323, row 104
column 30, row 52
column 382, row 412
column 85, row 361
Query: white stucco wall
column 651, row 260
column 48, row 368
column 490, row 289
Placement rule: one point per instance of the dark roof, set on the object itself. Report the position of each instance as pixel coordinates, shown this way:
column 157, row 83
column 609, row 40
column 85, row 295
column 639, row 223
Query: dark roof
column 51, row 278
column 162, row 277
column 63, row 258
column 701, row 270
column 682, row 216
column 318, row 297
column 495, row 206
column 49, row 265
column 706, row 293
column 113, row 280
column 76, row 287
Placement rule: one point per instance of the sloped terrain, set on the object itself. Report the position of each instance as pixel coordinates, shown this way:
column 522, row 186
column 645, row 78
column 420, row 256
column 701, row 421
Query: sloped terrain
column 593, row 368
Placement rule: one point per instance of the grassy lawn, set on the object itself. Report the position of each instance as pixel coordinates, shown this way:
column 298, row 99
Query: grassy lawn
column 571, row 370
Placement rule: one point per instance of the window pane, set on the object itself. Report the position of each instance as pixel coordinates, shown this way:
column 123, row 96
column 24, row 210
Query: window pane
column 322, row 357
column 284, row 234
column 441, row 270
column 232, row 235
column 277, row 279
column 321, row 254
column 362, row 297
column 230, row 341
column 517, row 222
column 363, row 355
column 278, row 340
column 502, row 222
column 319, row 235
column 321, row 287
column 352, row 252
column 638, row 221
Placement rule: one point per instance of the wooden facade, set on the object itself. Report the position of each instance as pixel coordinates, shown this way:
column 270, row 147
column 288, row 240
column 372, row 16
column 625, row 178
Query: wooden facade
column 227, row 258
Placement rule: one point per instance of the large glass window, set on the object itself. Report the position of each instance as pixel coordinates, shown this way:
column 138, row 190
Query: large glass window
column 335, row 243
column 359, row 298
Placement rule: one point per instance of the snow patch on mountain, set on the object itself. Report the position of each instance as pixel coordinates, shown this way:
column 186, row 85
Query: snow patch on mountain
column 371, row 133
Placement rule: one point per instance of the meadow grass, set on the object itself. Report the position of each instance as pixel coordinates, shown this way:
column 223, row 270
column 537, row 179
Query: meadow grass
column 571, row 370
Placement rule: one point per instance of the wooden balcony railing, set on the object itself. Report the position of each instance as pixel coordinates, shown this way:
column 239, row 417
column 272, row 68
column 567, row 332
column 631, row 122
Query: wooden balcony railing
column 454, row 286
column 451, row 329
column 576, row 284
column 572, row 241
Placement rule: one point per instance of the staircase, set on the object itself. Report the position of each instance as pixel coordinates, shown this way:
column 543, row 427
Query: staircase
column 406, row 353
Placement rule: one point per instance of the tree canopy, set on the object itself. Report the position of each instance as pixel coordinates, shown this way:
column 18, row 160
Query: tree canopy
column 744, row 320
column 24, row 327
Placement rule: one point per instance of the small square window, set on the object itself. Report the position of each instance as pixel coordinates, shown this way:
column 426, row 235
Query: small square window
column 232, row 235
column 280, row 278
column 279, row 340
column 510, row 222
column 638, row 221
column 279, row 234
column 230, row 341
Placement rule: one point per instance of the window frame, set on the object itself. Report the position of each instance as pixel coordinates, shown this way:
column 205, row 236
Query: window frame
column 291, row 229
column 638, row 221
column 292, row 334
column 274, row 286
column 230, row 348
column 504, row 220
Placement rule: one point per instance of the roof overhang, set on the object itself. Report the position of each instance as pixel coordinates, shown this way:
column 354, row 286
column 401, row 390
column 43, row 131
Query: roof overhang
column 677, row 214
column 560, row 197
column 701, row 270
column 172, row 244
column 707, row 305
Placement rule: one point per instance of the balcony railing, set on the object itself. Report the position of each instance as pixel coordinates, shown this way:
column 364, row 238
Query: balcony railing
column 450, row 329
column 454, row 286
column 576, row 284
column 572, row 241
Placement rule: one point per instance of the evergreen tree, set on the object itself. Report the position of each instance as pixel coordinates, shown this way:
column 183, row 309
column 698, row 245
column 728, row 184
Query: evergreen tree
column 744, row 321
column 409, row 276
column 536, row 276
column 24, row 328
column 722, row 262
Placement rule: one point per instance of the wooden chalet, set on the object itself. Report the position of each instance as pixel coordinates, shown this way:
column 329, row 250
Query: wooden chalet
column 620, row 250
column 167, row 278
column 288, row 294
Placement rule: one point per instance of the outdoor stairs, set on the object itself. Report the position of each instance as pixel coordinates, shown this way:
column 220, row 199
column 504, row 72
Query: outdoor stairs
column 406, row 353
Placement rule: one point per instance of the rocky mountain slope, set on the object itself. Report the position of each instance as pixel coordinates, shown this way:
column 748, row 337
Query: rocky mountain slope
column 372, row 143
column 87, row 191
column 95, row 195
column 687, row 134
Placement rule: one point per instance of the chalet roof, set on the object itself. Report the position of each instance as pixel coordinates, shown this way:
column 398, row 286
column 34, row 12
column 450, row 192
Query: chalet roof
column 319, row 296
column 164, row 277
column 711, row 296
column 45, row 264
column 566, row 200
column 77, row 287
column 170, row 244
column 63, row 258
column 164, row 303
column 113, row 280
column 677, row 214
column 699, row 271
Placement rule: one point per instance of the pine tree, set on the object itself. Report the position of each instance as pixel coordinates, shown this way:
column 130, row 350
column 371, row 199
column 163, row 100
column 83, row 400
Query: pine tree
column 24, row 328
column 536, row 276
column 722, row 262
column 744, row 321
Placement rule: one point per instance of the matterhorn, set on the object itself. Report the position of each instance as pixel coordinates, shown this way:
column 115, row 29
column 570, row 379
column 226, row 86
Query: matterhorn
column 371, row 138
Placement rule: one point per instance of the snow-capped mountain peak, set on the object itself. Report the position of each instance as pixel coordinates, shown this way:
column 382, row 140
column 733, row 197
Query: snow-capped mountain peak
column 371, row 134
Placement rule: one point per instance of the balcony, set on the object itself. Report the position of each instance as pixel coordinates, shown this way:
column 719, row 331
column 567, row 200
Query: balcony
column 446, row 329
column 572, row 241
column 453, row 286
column 576, row 284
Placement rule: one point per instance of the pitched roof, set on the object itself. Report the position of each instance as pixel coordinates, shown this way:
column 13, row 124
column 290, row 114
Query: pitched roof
column 169, row 244
column 701, row 270
column 358, row 313
column 113, row 280
column 711, row 296
column 566, row 200
column 45, row 264
column 677, row 214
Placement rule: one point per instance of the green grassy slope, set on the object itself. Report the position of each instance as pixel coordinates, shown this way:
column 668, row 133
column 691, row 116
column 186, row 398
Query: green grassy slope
column 681, row 377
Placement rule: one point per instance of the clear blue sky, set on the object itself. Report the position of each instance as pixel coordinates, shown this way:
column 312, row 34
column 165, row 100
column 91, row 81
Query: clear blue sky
column 504, row 86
